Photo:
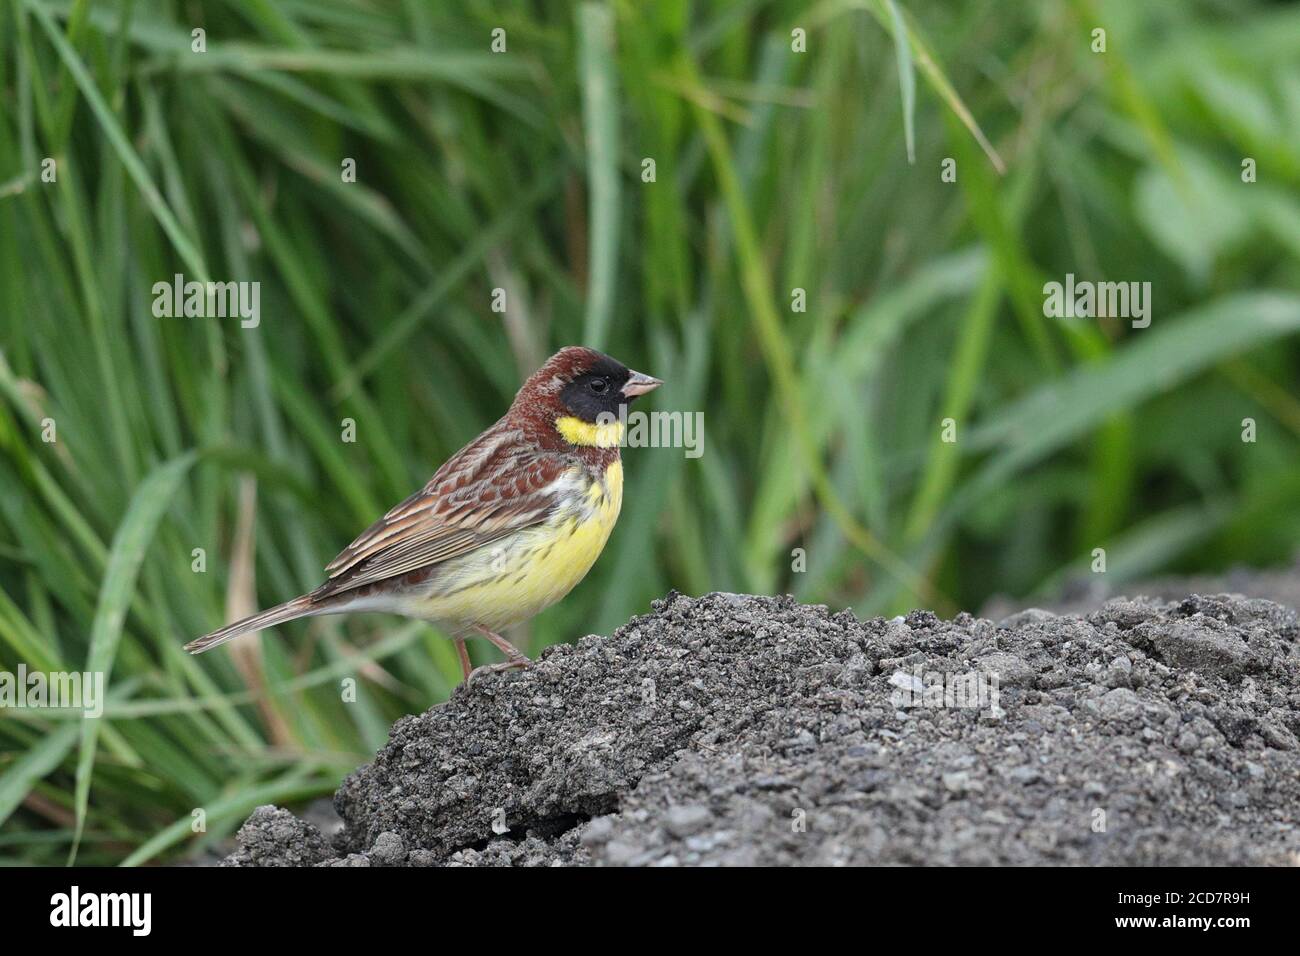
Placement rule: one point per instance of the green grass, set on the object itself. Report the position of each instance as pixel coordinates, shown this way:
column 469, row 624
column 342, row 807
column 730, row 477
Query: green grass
column 775, row 170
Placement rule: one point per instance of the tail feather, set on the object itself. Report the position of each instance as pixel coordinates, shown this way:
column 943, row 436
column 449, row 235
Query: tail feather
column 302, row 606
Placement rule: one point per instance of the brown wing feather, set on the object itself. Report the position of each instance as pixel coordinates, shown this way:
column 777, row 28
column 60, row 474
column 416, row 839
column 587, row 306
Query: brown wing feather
column 493, row 487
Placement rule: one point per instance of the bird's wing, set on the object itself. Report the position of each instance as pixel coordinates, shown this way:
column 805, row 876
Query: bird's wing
column 493, row 487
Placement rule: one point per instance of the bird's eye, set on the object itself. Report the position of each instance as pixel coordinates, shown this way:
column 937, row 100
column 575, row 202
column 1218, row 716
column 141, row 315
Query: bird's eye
column 598, row 385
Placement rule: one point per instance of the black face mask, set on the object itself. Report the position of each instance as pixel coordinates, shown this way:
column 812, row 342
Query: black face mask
column 598, row 391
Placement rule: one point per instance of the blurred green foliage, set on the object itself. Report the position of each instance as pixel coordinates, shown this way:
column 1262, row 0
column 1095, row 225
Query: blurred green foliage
column 775, row 170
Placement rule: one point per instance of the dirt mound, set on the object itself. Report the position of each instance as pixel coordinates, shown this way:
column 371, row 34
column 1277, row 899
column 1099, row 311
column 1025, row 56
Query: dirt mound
column 1084, row 593
column 732, row 729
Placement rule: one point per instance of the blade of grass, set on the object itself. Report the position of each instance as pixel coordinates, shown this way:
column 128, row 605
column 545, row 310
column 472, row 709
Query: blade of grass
column 402, row 327
column 44, row 756
column 1062, row 410
column 600, row 120
column 777, row 352
column 906, row 78
column 934, row 74
column 148, row 505
column 185, row 247
column 232, row 809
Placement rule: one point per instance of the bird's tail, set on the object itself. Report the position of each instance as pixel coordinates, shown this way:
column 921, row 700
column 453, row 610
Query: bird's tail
column 302, row 606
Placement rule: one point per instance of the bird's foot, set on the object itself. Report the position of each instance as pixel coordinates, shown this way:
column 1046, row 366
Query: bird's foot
column 514, row 659
column 485, row 669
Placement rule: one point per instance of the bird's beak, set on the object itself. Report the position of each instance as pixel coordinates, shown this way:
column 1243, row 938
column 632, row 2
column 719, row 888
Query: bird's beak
column 639, row 384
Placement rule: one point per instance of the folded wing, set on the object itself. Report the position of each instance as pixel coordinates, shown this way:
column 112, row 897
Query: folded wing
column 493, row 487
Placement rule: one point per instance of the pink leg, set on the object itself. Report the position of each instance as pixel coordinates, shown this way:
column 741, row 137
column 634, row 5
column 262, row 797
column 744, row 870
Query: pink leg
column 513, row 657
column 463, row 653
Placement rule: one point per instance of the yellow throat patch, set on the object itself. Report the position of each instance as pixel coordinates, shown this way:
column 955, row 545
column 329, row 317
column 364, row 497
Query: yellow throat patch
column 577, row 432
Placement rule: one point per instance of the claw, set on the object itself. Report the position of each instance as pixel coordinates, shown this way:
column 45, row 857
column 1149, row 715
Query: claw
column 485, row 669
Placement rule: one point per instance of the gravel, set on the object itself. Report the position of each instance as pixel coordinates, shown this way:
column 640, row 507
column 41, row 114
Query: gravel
column 741, row 730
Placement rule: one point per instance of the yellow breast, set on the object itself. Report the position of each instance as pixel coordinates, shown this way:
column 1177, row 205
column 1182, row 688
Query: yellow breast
column 520, row 576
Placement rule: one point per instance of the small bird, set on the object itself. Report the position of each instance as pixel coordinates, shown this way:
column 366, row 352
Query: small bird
column 504, row 529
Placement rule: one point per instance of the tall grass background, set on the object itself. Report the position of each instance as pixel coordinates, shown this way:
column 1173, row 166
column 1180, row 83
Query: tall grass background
column 775, row 170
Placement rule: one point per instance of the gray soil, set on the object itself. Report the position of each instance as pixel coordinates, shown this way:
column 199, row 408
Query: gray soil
column 751, row 730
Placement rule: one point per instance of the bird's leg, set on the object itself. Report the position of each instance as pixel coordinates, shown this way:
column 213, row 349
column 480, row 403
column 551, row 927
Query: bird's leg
column 513, row 657
column 463, row 652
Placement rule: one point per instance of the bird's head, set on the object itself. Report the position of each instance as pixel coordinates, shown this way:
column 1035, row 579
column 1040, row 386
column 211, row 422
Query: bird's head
column 581, row 390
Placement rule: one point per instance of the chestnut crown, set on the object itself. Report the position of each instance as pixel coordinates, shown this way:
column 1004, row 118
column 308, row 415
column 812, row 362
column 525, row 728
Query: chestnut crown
column 584, row 383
